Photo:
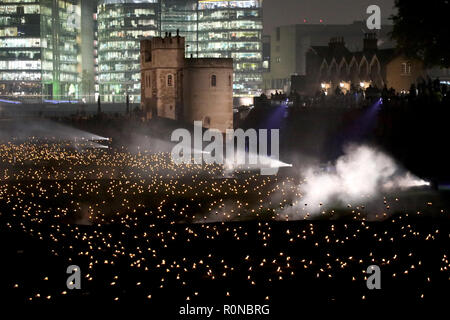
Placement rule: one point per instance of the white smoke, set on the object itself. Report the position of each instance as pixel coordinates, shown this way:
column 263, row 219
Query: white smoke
column 361, row 173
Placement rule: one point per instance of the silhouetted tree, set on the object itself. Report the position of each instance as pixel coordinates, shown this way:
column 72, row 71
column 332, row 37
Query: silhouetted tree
column 421, row 30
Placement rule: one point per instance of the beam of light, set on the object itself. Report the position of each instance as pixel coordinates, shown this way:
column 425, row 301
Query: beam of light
column 444, row 187
column 359, row 129
column 263, row 162
column 10, row 101
column 99, row 138
column 94, row 145
column 60, row 101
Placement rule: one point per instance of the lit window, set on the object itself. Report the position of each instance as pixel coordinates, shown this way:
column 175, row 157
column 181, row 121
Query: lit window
column 406, row 68
column 213, row 80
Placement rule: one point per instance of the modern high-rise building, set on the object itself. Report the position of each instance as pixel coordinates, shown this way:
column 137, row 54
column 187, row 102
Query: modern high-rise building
column 121, row 26
column 181, row 16
column 213, row 29
column 40, row 54
column 233, row 29
column 61, row 50
column 88, row 40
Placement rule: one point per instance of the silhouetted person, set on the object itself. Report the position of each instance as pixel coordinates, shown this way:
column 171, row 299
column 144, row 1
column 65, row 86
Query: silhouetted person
column 128, row 103
column 412, row 91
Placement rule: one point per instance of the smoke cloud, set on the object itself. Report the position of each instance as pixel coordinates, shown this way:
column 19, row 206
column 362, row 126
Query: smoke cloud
column 361, row 173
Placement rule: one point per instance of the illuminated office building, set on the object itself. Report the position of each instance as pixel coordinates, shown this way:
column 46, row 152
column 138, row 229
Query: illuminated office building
column 181, row 16
column 40, row 48
column 213, row 29
column 233, row 29
column 121, row 26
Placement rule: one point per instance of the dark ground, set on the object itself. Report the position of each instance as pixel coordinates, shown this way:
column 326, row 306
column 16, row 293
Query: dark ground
column 306, row 262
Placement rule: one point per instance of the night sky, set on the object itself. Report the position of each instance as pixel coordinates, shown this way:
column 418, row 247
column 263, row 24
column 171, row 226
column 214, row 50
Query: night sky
column 285, row 12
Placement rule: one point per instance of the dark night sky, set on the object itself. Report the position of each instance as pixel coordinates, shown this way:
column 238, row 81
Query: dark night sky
column 285, row 12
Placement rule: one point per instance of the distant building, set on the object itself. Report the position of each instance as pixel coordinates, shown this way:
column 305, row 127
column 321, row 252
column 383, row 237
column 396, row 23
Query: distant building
column 212, row 29
column 121, row 26
column 266, row 53
column 43, row 46
column 443, row 74
column 335, row 66
column 185, row 89
column 233, row 29
column 181, row 15
column 290, row 44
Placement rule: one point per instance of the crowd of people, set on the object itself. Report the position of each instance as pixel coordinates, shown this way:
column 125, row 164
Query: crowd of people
column 430, row 92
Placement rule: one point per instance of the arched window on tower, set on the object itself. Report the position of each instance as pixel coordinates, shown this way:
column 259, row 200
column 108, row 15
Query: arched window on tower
column 169, row 80
column 213, row 80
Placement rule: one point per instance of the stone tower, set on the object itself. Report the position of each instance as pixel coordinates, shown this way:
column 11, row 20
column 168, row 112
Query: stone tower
column 162, row 62
column 187, row 90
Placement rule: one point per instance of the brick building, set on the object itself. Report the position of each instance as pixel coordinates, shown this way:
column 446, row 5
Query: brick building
column 334, row 66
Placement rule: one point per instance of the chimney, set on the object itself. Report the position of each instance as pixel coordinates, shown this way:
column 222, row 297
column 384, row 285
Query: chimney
column 370, row 42
column 336, row 42
column 178, row 32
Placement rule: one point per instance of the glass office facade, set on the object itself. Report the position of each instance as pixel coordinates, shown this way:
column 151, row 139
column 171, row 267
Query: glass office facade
column 233, row 29
column 213, row 29
column 181, row 15
column 121, row 26
column 39, row 48
column 43, row 50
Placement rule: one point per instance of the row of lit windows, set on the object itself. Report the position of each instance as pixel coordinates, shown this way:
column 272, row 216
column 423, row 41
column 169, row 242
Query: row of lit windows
column 230, row 25
column 20, row 43
column 16, row 54
column 117, row 88
column 236, row 56
column 130, row 23
column 213, row 4
column 251, row 66
column 127, row 34
column 20, row 65
column 20, row 76
column 19, row 9
column 247, row 77
column 119, row 55
column 224, row 36
column 106, row 77
column 230, row 46
column 114, row 45
column 21, row 1
column 66, row 77
column 121, row 12
column 226, row 15
column 119, row 67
